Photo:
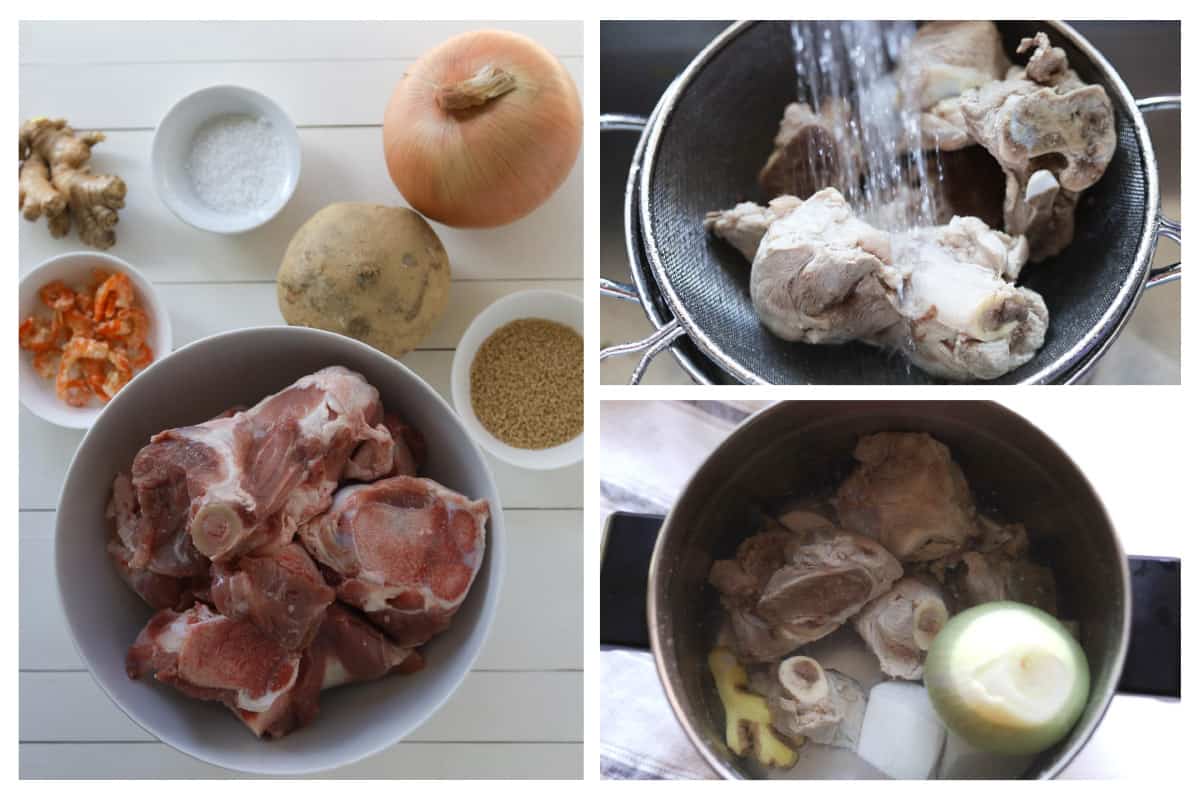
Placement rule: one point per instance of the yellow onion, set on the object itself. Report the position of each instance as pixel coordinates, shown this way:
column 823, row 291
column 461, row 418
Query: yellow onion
column 482, row 129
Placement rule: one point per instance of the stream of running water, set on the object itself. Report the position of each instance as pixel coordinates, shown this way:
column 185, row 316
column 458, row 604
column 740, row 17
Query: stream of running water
column 879, row 165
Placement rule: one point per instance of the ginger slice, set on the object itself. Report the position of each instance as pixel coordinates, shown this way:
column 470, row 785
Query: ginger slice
column 747, row 717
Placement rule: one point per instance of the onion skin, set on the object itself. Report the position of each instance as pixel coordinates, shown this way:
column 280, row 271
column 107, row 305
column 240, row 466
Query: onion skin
column 484, row 162
column 977, row 635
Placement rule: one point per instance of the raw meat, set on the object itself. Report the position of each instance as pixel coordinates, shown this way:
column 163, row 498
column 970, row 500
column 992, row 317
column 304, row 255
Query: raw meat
column 347, row 649
column 405, row 550
column 900, row 625
column 785, row 589
column 211, row 657
column 208, row 656
column 282, row 594
column 908, row 494
column 244, row 483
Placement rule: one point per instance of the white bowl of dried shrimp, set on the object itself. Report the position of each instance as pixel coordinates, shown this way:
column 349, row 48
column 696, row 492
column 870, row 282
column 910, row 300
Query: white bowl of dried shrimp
column 89, row 323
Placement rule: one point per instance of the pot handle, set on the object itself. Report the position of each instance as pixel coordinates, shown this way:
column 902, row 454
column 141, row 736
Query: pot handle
column 626, row 549
column 1152, row 664
column 1165, row 226
column 663, row 336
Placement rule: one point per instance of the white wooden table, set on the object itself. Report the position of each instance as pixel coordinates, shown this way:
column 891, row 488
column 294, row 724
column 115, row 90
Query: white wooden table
column 650, row 449
column 520, row 712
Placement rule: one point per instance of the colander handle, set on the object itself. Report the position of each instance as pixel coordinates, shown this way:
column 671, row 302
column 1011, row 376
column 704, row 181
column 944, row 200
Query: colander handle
column 1166, row 227
column 662, row 337
column 653, row 344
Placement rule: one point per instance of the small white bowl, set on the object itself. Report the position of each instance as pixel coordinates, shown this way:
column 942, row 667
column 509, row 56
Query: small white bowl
column 535, row 303
column 173, row 143
column 73, row 269
column 192, row 384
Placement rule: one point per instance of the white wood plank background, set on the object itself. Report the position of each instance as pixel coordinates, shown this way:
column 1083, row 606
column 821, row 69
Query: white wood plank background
column 651, row 449
column 333, row 79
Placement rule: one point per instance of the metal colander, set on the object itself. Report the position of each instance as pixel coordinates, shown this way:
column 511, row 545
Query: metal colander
column 712, row 131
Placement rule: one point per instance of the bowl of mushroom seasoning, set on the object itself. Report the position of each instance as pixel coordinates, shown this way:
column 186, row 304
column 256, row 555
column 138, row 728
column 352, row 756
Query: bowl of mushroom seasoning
column 517, row 379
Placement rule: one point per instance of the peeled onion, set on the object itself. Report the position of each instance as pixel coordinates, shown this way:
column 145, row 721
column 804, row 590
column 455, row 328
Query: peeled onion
column 1007, row 677
column 482, row 129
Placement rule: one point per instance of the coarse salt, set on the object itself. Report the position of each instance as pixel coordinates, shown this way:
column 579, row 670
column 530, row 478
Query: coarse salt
column 236, row 163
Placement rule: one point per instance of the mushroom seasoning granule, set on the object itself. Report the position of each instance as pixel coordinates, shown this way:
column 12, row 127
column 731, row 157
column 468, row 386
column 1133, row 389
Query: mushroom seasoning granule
column 527, row 384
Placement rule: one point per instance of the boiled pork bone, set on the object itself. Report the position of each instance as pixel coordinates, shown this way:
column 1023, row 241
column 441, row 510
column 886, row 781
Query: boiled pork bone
column 282, row 594
column 405, row 550
column 244, row 483
column 784, row 589
column 208, row 656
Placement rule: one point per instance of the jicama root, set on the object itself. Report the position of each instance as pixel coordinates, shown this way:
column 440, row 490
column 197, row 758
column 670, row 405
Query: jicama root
column 55, row 182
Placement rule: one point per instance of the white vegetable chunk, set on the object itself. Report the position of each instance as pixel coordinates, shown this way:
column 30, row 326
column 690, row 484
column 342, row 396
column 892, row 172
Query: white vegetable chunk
column 901, row 733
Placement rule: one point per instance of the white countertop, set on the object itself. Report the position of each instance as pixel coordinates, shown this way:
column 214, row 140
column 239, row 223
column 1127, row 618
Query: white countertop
column 520, row 711
column 651, row 449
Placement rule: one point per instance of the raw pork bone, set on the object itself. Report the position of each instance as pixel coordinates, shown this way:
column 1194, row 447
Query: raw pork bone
column 785, row 589
column 405, row 550
column 815, row 274
column 945, row 59
column 244, row 483
column 995, row 565
column 964, row 319
column 812, row 152
column 283, row 594
column 211, row 657
column 208, row 656
column 189, row 571
column 808, row 701
column 900, row 625
column 406, row 453
column 909, row 495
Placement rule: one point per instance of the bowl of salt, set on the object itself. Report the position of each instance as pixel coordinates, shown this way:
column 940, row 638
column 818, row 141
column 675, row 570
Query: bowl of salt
column 226, row 159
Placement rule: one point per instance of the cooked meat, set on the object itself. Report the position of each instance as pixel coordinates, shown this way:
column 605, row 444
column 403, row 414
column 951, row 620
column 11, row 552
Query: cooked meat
column 995, row 565
column 745, row 225
column 405, row 550
column 1043, row 119
column 908, row 494
column 809, row 701
column 815, row 274
column 785, row 589
column 899, row 626
column 944, row 59
column 812, row 151
column 964, row 319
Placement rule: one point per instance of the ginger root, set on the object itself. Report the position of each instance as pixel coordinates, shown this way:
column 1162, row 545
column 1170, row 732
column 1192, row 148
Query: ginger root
column 55, row 182
column 747, row 717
